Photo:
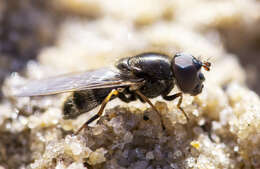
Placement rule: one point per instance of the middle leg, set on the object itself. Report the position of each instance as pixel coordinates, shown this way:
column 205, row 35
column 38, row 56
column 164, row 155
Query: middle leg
column 143, row 97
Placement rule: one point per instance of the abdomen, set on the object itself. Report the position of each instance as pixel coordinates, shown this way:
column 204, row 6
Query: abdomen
column 83, row 101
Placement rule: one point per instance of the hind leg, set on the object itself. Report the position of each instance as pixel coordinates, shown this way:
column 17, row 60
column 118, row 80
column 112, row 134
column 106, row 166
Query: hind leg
column 114, row 92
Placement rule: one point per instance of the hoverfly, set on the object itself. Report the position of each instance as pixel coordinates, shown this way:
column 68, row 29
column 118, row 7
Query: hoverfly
column 141, row 77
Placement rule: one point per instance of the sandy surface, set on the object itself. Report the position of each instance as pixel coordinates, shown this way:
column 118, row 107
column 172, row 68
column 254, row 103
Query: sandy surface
column 224, row 118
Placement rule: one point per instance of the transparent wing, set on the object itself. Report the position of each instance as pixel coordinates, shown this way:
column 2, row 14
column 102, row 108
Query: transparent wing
column 99, row 78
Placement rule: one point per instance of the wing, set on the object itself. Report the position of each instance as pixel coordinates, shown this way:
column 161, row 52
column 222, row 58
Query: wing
column 99, row 78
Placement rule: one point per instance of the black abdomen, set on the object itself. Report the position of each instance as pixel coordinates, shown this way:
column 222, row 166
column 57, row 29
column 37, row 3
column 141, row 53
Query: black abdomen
column 83, row 101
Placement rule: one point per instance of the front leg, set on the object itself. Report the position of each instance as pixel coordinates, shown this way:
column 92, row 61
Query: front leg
column 174, row 96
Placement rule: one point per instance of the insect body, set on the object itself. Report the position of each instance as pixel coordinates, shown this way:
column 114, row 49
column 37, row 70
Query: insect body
column 143, row 76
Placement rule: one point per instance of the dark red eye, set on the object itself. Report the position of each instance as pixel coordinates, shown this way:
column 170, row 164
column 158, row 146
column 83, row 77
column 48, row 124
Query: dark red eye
column 187, row 73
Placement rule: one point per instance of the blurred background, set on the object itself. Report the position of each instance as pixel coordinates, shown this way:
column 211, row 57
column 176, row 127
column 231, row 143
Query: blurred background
column 40, row 38
column 72, row 29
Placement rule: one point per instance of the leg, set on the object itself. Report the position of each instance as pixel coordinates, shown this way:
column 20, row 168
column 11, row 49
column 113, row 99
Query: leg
column 172, row 97
column 114, row 92
column 150, row 103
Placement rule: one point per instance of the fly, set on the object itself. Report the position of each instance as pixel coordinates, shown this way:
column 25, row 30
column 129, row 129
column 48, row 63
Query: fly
column 140, row 77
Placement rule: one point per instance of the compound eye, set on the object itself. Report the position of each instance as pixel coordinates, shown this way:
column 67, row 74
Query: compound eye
column 201, row 77
column 185, row 71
